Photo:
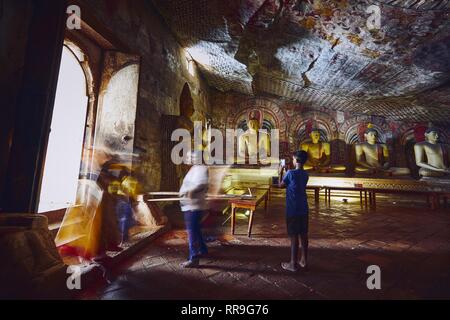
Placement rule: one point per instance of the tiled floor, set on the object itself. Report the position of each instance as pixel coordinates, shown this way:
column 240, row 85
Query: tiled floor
column 410, row 243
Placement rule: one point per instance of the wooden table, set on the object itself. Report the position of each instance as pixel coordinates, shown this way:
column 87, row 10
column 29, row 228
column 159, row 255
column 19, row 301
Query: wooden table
column 249, row 204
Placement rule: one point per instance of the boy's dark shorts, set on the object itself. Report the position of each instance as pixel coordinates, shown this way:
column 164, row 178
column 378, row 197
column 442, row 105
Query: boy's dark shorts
column 297, row 225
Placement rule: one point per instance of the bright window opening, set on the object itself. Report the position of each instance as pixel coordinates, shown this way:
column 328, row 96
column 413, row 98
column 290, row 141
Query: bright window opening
column 62, row 161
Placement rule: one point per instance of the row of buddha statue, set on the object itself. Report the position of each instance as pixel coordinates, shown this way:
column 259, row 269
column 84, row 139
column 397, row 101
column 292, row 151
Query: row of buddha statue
column 371, row 156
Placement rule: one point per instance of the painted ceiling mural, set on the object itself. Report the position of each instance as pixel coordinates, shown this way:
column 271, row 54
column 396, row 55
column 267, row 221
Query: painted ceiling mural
column 388, row 58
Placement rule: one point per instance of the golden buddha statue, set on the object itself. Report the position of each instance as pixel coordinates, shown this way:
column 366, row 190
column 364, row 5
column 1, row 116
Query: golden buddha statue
column 254, row 144
column 431, row 156
column 373, row 157
column 319, row 155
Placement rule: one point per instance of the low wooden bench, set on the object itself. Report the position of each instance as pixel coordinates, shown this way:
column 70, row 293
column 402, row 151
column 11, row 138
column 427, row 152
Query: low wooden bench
column 370, row 194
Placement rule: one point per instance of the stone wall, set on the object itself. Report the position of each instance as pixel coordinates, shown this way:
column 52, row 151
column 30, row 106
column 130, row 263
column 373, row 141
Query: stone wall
column 129, row 26
column 164, row 70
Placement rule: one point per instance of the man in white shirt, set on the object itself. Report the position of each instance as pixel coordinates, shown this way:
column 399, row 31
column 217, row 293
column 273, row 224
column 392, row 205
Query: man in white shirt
column 194, row 190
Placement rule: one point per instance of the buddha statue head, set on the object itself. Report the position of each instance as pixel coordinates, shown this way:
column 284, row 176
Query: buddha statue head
column 253, row 125
column 315, row 136
column 371, row 136
column 432, row 135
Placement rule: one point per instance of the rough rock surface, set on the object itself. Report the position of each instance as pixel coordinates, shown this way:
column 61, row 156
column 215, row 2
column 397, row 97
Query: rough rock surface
column 323, row 53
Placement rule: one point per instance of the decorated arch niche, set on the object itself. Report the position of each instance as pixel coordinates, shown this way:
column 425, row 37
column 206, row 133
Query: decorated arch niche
column 352, row 131
column 410, row 133
column 272, row 116
column 416, row 133
column 302, row 126
column 267, row 122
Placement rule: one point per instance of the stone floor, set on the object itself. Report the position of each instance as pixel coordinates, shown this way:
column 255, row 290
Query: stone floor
column 410, row 243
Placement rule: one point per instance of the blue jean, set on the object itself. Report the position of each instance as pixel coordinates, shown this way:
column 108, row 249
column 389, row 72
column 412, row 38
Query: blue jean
column 197, row 245
column 124, row 216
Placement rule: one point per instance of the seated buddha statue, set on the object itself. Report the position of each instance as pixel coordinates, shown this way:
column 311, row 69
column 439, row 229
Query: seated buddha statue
column 373, row 158
column 431, row 156
column 254, row 144
column 319, row 155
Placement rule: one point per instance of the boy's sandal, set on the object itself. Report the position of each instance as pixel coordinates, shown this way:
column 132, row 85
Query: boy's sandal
column 303, row 267
column 287, row 266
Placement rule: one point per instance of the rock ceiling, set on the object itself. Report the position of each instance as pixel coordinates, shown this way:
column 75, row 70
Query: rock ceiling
column 324, row 53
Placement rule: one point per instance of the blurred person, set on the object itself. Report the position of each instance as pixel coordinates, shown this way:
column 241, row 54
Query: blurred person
column 89, row 227
column 194, row 190
column 126, row 195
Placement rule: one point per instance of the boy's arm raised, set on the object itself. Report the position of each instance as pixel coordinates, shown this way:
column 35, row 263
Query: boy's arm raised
column 283, row 182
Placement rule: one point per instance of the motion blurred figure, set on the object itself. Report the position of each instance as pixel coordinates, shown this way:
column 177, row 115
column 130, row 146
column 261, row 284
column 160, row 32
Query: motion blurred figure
column 89, row 227
column 194, row 190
